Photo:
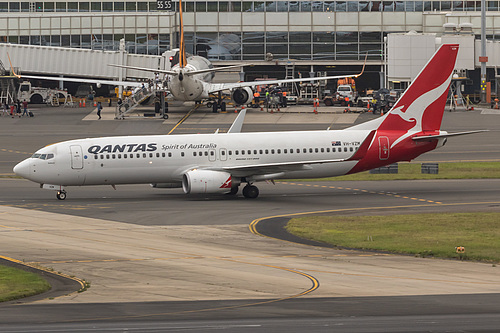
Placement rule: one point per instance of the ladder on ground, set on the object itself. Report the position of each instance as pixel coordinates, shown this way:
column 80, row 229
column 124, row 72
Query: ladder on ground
column 7, row 86
column 68, row 101
column 290, row 74
column 54, row 100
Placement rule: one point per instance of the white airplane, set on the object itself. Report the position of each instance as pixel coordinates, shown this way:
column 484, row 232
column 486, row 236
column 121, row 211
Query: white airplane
column 220, row 162
column 191, row 78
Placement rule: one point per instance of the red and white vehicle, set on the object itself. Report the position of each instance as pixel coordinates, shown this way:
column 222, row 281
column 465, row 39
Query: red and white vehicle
column 220, row 162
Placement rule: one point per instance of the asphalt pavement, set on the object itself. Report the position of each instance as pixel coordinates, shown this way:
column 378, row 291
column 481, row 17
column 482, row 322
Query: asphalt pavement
column 158, row 260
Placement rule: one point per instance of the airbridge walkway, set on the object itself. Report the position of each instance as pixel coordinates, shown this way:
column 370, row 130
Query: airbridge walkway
column 84, row 63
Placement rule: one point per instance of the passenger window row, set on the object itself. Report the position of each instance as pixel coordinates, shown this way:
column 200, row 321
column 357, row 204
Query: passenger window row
column 222, row 152
column 131, row 156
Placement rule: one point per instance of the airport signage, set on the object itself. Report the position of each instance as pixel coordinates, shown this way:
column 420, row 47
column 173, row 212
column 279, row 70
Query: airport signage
column 164, row 5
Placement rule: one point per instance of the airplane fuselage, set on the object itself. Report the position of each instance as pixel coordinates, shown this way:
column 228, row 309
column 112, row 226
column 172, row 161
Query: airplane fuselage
column 166, row 159
column 191, row 88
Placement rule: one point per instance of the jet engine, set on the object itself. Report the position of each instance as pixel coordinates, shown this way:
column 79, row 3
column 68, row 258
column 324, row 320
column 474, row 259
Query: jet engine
column 206, row 181
column 242, row 96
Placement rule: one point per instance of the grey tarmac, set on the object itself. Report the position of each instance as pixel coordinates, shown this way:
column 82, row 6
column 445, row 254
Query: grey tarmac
column 152, row 253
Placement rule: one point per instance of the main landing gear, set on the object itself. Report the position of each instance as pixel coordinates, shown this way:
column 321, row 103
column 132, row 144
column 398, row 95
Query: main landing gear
column 61, row 195
column 250, row 191
column 218, row 104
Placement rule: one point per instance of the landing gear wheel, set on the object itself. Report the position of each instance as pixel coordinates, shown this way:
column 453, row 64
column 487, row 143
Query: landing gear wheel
column 165, row 116
column 61, row 195
column 223, row 107
column 234, row 190
column 250, row 192
column 215, row 107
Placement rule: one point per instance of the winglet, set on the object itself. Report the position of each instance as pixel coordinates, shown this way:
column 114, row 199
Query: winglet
column 238, row 122
column 12, row 68
column 363, row 149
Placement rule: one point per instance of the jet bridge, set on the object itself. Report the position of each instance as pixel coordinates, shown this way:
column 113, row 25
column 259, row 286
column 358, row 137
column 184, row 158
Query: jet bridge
column 84, row 63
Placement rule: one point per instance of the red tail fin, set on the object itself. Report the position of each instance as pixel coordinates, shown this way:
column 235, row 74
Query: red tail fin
column 421, row 106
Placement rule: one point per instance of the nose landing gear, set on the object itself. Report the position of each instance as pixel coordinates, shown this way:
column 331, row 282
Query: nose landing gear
column 61, row 195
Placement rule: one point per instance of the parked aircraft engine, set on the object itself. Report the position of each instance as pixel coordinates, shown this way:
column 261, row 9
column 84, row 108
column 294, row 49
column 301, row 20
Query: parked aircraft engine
column 206, row 181
column 242, row 96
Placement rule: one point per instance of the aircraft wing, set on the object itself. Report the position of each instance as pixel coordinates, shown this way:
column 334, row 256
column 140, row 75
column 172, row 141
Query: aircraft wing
column 216, row 87
column 82, row 80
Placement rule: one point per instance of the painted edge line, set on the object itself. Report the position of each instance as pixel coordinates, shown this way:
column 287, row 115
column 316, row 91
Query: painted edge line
column 43, row 269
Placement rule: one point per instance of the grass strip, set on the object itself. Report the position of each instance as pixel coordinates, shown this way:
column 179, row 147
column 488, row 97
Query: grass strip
column 420, row 234
column 412, row 171
column 16, row 283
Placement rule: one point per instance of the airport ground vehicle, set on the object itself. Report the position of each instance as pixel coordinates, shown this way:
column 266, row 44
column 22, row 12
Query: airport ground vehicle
column 38, row 95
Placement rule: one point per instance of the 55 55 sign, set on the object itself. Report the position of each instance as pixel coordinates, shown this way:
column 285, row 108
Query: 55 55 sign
column 164, row 5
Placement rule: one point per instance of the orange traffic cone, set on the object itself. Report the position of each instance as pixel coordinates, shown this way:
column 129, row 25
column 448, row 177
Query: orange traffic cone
column 80, row 104
column 83, row 103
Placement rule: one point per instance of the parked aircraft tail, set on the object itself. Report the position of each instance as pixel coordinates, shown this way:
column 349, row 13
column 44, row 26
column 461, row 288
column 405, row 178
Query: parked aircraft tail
column 182, row 46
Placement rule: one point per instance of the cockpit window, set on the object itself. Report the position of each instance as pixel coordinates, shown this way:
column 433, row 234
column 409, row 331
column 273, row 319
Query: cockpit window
column 43, row 156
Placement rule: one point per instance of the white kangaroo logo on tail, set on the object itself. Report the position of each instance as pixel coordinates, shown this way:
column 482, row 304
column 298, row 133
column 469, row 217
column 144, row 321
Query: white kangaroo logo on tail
column 415, row 110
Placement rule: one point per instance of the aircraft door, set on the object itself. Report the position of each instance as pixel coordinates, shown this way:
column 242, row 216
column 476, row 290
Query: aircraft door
column 223, row 154
column 76, row 157
column 383, row 148
column 211, row 155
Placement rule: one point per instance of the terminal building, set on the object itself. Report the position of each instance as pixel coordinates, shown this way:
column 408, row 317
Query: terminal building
column 306, row 37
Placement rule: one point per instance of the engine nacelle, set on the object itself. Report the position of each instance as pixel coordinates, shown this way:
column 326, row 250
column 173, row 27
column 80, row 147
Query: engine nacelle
column 242, row 96
column 206, row 181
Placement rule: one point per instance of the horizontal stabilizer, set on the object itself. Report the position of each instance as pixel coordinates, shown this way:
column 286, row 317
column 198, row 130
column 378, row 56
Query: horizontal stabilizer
column 145, row 69
column 444, row 135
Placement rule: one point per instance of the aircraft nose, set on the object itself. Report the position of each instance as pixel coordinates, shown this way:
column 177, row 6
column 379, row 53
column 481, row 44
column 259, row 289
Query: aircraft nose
column 22, row 169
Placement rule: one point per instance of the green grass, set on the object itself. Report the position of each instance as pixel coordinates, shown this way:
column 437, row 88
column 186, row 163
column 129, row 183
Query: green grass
column 411, row 171
column 16, row 283
column 420, row 234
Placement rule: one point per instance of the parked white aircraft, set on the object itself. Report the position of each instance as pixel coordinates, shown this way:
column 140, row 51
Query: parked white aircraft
column 220, row 162
column 191, row 78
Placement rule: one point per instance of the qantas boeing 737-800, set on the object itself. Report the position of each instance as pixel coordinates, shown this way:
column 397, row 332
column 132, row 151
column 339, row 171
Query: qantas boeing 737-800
column 220, row 162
